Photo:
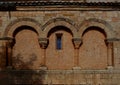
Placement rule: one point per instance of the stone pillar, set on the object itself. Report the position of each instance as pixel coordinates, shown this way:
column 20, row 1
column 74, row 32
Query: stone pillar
column 2, row 53
column 43, row 43
column 9, row 46
column 109, row 53
column 76, row 42
column 6, row 52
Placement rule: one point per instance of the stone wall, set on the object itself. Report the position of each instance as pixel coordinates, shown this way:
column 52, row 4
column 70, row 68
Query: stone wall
column 76, row 21
column 62, row 58
column 68, row 77
column 90, row 53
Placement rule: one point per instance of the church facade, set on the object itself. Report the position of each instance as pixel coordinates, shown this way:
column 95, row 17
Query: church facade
column 60, row 42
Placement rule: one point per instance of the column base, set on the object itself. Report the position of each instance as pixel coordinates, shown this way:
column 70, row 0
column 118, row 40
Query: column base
column 9, row 67
column 43, row 68
column 110, row 67
column 76, row 68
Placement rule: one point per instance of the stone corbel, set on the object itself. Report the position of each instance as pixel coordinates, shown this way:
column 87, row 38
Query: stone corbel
column 76, row 42
column 43, row 42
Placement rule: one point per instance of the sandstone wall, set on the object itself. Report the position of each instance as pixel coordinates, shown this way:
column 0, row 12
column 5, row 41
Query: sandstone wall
column 76, row 21
column 90, row 46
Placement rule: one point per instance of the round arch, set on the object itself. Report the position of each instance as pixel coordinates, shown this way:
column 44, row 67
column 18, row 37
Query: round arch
column 59, row 22
column 22, row 22
column 94, row 28
column 57, row 28
column 97, row 23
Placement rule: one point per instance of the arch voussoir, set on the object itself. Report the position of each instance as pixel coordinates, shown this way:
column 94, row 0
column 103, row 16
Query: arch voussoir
column 22, row 22
column 97, row 23
column 59, row 22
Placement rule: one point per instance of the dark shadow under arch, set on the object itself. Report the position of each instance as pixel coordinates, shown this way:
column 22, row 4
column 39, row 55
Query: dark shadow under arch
column 58, row 28
column 23, row 28
column 54, row 20
column 95, row 28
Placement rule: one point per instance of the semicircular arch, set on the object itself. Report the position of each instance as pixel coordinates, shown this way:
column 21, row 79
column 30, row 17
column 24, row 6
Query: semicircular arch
column 59, row 22
column 106, row 27
column 22, row 22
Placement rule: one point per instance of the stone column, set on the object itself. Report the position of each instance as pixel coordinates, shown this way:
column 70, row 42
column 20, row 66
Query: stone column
column 2, row 53
column 9, row 45
column 76, row 42
column 109, row 53
column 43, row 43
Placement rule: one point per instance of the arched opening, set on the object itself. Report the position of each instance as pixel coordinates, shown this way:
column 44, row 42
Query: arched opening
column 26, row 52
column 93, row 51
column 60, row 51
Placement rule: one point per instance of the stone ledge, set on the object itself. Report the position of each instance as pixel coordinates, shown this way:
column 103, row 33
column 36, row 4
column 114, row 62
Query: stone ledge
column 112, row 40
column 67, row 71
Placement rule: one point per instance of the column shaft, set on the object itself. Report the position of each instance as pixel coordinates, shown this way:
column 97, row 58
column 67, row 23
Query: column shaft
column 110, row 54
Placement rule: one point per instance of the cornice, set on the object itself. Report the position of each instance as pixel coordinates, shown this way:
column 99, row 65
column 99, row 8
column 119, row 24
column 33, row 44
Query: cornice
column 6, row 6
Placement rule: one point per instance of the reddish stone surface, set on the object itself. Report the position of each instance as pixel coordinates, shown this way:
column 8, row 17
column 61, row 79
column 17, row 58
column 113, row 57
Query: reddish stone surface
column 60, row 59
column 26, row 51
column 93, row 51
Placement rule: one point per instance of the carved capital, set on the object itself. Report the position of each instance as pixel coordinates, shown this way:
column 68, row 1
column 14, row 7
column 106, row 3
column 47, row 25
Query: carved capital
column 43, row 42
column 76, row 42
column 109, row 42
column 9, row 41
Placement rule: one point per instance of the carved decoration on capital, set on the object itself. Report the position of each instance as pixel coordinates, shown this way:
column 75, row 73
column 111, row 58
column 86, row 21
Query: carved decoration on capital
column 76, row 42
column 43, row 42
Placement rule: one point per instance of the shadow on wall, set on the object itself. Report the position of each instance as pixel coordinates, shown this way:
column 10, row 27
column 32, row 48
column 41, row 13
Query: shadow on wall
column 23, row 74
column 19, row 63
column 22, row 77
